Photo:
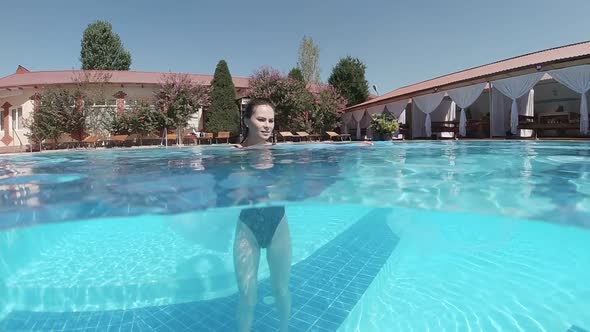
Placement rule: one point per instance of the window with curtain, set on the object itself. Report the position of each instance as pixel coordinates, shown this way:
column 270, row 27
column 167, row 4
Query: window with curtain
column 21, row 124
column 17, row 118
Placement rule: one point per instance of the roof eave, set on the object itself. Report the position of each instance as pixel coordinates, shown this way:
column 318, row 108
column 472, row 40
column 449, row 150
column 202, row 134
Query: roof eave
column 548, row 65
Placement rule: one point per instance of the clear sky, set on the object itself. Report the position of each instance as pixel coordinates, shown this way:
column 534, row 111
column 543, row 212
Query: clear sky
column 401, row 42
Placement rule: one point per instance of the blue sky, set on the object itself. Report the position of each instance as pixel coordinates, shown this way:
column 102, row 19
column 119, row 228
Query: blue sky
column 401, row 42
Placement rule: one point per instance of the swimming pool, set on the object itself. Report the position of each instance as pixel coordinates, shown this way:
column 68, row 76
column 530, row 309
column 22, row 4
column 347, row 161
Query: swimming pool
column 416, row 236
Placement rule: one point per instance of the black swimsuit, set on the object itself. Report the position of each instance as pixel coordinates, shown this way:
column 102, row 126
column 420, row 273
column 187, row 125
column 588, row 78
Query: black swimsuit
column 263, row 222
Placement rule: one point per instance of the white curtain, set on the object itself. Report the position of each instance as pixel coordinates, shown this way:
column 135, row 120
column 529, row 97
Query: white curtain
column 578, row 79
column 358, row 116
column 396, row 108
column 445, row 111
column 526, row 105
column 451, row 116
column 514, row 87
column 427, row 104
column 346, row 119
column 500, row 113
column 464, row 97
column 366, row 122
column 417, row 123
column 402, row 117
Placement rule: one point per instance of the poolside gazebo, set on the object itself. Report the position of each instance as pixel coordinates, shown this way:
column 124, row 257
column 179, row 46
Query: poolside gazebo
column 537, row 94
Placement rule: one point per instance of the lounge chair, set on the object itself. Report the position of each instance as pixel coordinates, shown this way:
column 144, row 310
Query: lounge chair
column 333, row 135
column 206, row 137
column 133, row 139
column 168, row 136
column 222, row 135
column 90, row 140
column 307, row 136
column 288, row 134
column 151, row 139
column 118, row 139
column 303, row 135
column 65, row 141
column 189, row 136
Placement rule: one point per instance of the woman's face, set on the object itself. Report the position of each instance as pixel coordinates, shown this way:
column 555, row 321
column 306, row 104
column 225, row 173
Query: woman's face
column 261, row 123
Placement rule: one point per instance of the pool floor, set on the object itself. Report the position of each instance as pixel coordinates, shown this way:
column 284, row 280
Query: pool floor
column 324, row 288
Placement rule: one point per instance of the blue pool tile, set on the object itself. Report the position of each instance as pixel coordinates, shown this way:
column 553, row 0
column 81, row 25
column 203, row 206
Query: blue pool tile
column 324, row 289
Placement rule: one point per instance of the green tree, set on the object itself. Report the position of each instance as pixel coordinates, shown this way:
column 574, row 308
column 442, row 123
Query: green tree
column 308, row 60
column 223, row 113
column 95, row 88
column 348, row 77
column 120, row 124
column 58, row 111
column 296, row 74
column 46, row 122
column 102, row 49
column 144, row 119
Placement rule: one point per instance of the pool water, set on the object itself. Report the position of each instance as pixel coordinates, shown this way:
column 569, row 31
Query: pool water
column 416, row 236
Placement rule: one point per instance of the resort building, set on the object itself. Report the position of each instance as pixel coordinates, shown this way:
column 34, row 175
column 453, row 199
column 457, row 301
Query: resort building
column 541, row 94
column 122, row 90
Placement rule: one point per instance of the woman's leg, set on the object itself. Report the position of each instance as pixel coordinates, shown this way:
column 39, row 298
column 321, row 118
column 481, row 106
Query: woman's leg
column 246, row 258
column 278, row 256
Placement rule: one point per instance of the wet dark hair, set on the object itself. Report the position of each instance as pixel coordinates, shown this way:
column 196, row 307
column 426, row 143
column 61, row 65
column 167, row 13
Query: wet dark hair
column 256, row 102
column 249, row 111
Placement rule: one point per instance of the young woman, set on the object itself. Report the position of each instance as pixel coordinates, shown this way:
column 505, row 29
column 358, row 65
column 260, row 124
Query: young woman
column 264, row 227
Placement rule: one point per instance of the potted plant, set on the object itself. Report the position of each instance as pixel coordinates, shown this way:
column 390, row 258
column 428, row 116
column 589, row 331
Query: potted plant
column 384, row 126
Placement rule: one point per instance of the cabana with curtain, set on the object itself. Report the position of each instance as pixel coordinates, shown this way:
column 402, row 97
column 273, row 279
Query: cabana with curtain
column 346, row 122
column 442, row 120
column 428, row 104
column 465, row 97
column 501, row 116
column 514, row 88
column 357, row 116
column 577, row 79
column 504, row 95
column 397, row 109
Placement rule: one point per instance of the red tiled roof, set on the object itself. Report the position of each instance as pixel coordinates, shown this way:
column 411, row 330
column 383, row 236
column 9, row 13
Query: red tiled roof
column 40, row 78
column 547, row 59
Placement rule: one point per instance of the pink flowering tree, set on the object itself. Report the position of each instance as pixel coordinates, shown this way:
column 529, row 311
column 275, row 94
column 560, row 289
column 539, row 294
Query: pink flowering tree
column 178, row 98
column 292, row 99
column 326, row 112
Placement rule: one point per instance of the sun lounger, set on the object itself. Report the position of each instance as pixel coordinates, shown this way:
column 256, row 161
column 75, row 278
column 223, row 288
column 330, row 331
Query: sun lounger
column 66, row 141
column 222, row 135
column 189, row 136
column 303, row 135
column 151, row 139
column 119, row 138
column 288, row 134
column 133, row 139
column 90, row 140
column 207, row 137
column 308, row 136
column 333, row 135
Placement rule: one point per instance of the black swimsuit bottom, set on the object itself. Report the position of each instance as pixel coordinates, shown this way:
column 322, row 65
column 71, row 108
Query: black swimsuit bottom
column 263, row 222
